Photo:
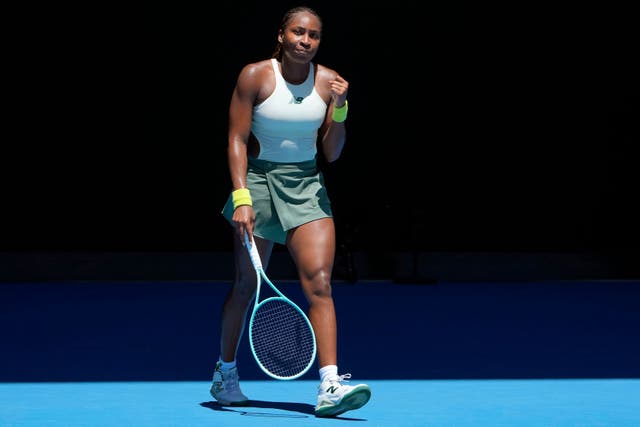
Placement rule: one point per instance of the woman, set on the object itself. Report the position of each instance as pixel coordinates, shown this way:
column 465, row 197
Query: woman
column 281, row 108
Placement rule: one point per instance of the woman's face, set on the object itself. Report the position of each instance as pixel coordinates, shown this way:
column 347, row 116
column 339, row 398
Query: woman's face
column 301, row 37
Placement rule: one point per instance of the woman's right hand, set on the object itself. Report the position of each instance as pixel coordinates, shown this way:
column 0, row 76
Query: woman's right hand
column 243, row 220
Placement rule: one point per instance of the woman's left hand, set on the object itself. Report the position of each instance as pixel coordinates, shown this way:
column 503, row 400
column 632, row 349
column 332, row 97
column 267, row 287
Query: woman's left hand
column 339, row 89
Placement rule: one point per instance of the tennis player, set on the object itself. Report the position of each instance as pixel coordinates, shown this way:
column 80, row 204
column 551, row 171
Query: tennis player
column 281, row 110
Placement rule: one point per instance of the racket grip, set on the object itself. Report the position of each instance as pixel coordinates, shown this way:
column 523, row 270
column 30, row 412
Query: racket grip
column 253, row 253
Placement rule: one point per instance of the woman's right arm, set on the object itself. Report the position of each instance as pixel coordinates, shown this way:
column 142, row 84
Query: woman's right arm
column 240, row 114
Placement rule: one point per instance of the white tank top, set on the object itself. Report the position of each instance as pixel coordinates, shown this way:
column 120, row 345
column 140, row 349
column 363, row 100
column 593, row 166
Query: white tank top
column 286, row 123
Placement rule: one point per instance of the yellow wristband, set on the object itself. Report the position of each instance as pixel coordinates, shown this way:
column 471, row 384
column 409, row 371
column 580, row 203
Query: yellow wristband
column 240, row 197
column 340, row 114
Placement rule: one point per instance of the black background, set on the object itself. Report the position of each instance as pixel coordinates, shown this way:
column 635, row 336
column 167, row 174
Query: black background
column 470, row 127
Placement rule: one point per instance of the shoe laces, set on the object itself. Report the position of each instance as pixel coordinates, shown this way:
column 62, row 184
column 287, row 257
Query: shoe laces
column 341, row 378
column 230, row 380
column 231, row 385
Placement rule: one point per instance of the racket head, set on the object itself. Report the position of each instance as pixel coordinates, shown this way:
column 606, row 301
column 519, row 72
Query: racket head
column 282, row 339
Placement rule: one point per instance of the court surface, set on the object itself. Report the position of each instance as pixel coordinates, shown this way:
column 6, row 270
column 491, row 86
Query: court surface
column 461, row 403
column 453, row 354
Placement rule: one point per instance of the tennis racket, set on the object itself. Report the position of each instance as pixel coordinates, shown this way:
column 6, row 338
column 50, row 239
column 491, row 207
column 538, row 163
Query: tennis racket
column 280, row 334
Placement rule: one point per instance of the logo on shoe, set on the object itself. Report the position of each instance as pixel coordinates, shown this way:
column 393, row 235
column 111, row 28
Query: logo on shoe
column 332, row 389
column 217, row 386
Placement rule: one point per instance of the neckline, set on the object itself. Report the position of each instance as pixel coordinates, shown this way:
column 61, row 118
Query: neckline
column 279, row 70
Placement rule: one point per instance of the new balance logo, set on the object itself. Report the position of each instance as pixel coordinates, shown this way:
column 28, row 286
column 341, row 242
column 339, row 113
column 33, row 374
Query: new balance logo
column 332, row 389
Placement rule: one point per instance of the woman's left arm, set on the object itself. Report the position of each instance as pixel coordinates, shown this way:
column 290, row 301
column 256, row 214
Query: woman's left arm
column 333, row 133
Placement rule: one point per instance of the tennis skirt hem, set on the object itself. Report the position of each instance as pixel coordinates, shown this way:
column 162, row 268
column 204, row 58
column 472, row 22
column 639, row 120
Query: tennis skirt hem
column 284, row 196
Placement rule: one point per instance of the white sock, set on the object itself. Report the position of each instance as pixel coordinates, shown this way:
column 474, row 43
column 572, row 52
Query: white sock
column 227, row 366
column 327, row 372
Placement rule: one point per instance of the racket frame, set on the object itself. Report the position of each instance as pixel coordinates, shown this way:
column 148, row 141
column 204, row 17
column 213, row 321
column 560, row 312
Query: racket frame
column 261, row 276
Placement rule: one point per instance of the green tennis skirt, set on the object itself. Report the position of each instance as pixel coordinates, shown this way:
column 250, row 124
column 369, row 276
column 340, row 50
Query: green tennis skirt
column 284, row 196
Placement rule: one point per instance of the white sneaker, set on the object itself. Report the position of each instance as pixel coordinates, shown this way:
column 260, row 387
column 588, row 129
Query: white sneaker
column 334, row 397
column 226, row 387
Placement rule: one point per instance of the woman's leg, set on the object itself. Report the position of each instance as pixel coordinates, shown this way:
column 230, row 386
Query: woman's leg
column 240, row 296
column 312, row 247
column 225, row 387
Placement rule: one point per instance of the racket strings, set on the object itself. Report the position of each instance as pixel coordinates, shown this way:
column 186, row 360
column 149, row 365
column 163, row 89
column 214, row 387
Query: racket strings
column 282, row 338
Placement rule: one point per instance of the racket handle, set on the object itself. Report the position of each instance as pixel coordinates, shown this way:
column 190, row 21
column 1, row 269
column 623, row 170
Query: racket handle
column 253, row 253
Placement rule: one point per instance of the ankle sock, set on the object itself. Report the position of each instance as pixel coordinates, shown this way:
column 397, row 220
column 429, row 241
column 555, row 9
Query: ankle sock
column 227, row 366
column 327, row 372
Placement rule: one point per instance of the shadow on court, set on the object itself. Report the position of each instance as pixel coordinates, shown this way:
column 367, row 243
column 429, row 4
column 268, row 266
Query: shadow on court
column 302, row 408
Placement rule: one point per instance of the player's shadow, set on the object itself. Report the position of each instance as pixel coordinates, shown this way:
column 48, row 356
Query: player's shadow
column 302, row 408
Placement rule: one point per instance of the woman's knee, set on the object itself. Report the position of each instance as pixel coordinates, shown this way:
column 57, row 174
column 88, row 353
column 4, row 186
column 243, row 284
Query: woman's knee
column 244, row 289
column 319, row 286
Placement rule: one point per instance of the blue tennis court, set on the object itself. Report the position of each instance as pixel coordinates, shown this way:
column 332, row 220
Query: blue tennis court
column 547, row 353
column 394, row 403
